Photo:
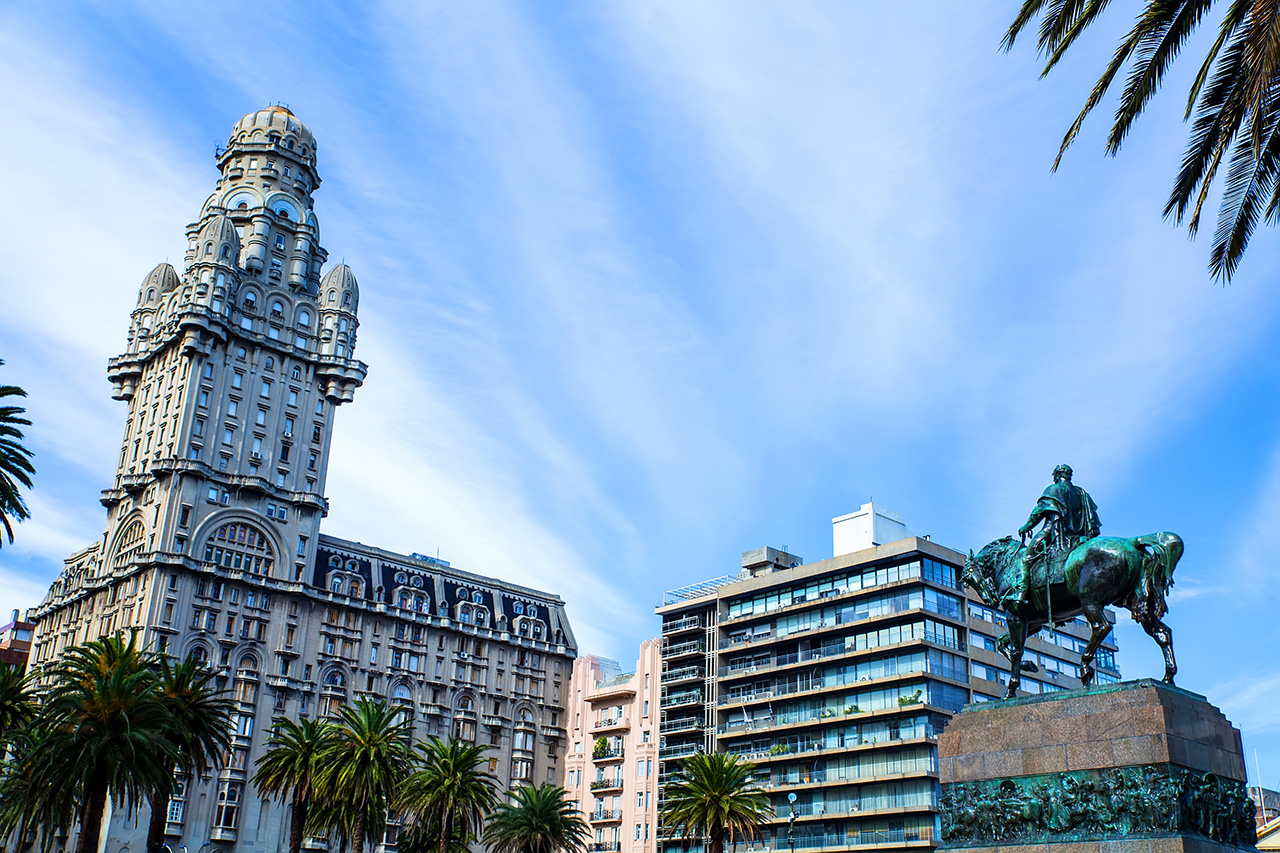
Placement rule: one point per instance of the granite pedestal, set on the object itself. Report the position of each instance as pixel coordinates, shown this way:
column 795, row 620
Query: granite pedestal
column 1138, row 766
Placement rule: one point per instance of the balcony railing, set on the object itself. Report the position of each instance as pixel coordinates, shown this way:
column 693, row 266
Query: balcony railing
column 606, row 784
column 607, row 754
column 604, row 846
column 920, row 800
column 684, row 624
column 691, row 647
column 679, row 751
column 864, row 837
column 610, row 723
column 606, row 815
column 682, row 724
column 681, row 673
column 690, row 697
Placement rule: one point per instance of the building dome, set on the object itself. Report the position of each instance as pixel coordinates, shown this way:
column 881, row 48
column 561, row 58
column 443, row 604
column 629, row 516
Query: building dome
column 158, row 282
column 275, row 121
column 218, row 241
column 339, row 288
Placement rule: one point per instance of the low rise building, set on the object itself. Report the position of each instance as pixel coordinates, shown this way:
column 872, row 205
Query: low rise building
column 612, row 766
column 15, row 642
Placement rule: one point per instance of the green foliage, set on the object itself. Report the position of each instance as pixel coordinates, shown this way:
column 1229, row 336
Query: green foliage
column 288, row 769
column 601, row 748
column 16, row 707
column 913, row 699
column 537, row 820
column 362, row 764
column 714, row 795
column 1237, row 115
column 16, row 469
column 449, row 789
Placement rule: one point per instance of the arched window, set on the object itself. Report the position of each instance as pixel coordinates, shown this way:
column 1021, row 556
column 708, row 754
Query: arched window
column 333, row 296
column 351, row 566
column 201, row 655
column 400, row 692
column 531, row 611
column 464, row 614
column 465, row 705
column 334, row 679
column 519, row 608
column 241, row 352
column 208, row 249
column 336, row 584
column 537, row 630
column 526, row 717
column 277, row 309
column 304, row 319
column 151, row 294
column 249, row 662
column 131, row 542
column 335, row 562
column 240, row 546
column 419, row 603
column 482, row 616
column 226, row 251
column 404, row 601
column 346, row 299
column 269, row 364
column 297, row 373
column 250, row 299
column 354, row 589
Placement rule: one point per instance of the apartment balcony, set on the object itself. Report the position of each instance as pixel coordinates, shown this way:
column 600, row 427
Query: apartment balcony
column 684, row 673
column 688, row 623
column 613, row 691
column 604, row 846
column 684, row 724
column 682, row 750
column 605, row 786
column 678, row 700
column 683, row 650
column 606, row 816
column 610, row 725
column 603, row 756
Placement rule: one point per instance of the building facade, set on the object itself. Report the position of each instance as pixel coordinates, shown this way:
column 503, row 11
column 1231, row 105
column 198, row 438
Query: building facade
column 835, row 679
column 611, row 770
column 15, row 642
column 233, row 375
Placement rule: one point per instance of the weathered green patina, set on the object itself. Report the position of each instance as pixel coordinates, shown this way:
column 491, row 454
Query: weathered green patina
column 1088, row 805
column 1068, row 570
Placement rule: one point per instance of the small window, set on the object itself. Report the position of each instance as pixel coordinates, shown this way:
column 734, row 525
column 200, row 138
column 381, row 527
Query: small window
column 333, row 296
column 237, row 380
column 297, row 373
column 241, row 353
column 346, row 299
column 293, row 397
column 280, row 241
column 266, row 389
column 269, row 364
column 208, row 370
column 304, row 319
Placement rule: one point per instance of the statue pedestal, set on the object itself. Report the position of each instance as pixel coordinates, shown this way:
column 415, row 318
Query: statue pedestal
column 1136, row 766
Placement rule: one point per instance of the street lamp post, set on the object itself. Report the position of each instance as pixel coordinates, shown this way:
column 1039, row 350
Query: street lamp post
column 791, row 822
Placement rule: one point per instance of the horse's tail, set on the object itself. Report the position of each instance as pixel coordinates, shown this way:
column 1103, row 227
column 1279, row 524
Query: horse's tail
column 1161, row 552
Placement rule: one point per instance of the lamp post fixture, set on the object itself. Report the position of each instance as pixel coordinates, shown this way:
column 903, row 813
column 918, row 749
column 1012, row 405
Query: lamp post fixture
column 791, row 822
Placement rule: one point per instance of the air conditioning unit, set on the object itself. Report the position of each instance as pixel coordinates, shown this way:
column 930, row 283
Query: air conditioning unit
column 255, row 455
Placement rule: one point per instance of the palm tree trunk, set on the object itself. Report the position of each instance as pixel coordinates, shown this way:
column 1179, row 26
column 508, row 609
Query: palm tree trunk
column 357, row 843
column 298, row 822
column 717, row 842
column 446, row 831
column 91, row 818
column 159, row 816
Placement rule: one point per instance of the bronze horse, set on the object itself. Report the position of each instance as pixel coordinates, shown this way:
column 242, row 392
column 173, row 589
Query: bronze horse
column 1132, row 573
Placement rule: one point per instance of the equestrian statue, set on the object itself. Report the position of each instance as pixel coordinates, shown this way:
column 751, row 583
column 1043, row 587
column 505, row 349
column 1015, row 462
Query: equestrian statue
column 1068, row 570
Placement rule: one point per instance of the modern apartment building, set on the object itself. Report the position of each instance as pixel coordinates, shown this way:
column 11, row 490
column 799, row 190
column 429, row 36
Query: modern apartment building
column 233, row 375
column 835, row 678
column 612, row 766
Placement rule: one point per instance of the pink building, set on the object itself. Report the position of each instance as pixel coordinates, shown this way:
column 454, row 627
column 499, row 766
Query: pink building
column 612, row 766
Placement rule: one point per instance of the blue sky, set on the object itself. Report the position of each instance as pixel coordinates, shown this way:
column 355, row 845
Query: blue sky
column 646, row 285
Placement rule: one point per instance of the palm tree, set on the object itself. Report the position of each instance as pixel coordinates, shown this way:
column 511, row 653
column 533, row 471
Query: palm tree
column 15, row 461
column 362, row 765
column 449, row 790
column 714, row 795
column 1237, row 113
column 198, row 730
column 537, row 820
column 16, row 708
column 288, row 769
column 106, row 722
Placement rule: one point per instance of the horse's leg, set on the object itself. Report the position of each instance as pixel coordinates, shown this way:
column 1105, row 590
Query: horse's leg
column 1101, row 627
column 1163, row 635
column 1017, row 641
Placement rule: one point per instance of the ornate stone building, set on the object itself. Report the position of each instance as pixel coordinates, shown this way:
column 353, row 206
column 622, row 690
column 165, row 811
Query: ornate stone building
column 233, row 375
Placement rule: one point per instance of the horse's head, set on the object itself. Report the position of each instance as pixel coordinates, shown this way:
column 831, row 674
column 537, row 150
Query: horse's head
column 983, row 570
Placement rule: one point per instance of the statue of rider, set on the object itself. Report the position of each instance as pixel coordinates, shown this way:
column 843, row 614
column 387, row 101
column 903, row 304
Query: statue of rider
column 1070, row 517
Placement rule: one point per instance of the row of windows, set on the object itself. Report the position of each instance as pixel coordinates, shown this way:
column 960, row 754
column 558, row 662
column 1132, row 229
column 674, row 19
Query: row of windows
column 767, row 602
